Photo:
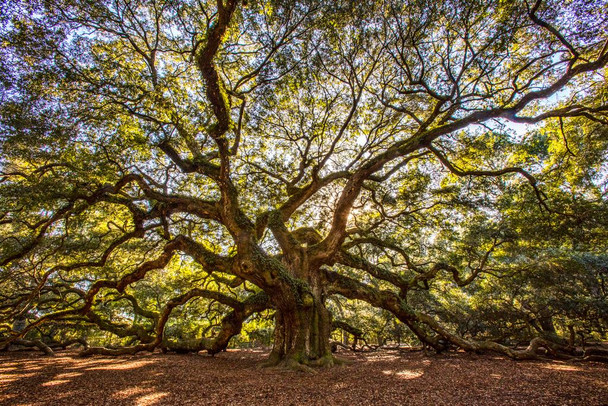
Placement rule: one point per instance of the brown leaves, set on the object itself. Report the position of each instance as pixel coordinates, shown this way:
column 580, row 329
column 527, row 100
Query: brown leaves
column 233, row 378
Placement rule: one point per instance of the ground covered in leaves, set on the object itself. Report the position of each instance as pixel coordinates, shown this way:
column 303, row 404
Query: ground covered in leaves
column 233, row 378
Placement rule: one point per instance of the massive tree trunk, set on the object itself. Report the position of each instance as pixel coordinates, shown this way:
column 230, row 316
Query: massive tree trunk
column 302, row 322
column 301, row 334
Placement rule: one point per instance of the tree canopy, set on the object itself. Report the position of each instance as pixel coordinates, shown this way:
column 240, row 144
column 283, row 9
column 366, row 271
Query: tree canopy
column 174, row 169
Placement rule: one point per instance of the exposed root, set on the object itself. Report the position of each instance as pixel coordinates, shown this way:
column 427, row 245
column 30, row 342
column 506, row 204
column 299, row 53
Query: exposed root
column 273, row 360
column 302, row 365
column 290, row 364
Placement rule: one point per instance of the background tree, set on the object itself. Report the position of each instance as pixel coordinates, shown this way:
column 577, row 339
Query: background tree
column 219, row 159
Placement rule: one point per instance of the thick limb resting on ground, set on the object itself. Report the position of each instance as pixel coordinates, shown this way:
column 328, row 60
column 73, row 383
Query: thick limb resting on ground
column 392, row 302
column 230, row 326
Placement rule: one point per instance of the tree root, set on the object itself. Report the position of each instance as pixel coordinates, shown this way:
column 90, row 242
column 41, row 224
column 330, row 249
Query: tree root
column 289, row 363
column 302, row 365
column 328, row 361
column 292, row 364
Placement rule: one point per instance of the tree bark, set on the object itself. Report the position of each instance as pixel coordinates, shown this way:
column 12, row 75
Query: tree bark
column 302, row 322
column 302, row 333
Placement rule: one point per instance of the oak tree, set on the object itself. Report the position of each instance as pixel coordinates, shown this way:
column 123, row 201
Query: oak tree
column 278, row 157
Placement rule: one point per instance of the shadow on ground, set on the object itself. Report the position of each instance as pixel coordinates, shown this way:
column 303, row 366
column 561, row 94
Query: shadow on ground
column 233, row 378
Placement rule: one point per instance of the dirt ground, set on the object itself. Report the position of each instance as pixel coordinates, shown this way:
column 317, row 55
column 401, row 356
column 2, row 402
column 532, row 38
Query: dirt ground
column 233, row 378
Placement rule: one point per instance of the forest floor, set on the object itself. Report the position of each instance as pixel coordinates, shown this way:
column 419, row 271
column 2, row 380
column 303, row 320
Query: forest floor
column 233, row 378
